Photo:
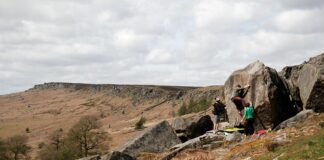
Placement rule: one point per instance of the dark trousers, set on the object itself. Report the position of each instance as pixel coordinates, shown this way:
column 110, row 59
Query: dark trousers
column 249, row 129
column 239, row 103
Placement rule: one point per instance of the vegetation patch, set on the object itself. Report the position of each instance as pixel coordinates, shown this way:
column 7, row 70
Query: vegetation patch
column 90, row 103
column 14, row 148
column 84, row 139
column 194, row 106
column 308, row 147
column 140, row 123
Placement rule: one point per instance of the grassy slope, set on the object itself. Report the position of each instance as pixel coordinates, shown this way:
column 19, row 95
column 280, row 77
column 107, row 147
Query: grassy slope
column 308, row 147
column 304, row 141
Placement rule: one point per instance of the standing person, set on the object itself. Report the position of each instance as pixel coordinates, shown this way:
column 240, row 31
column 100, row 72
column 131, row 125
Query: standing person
column 238, row 95
column 248, row 117
column 219, row 108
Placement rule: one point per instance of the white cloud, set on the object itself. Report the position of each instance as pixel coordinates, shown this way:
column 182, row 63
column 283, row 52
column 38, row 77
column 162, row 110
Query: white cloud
column 301, row 21
column 124, row 38
column 158, row 56
column 222, row 15
column 151, row 42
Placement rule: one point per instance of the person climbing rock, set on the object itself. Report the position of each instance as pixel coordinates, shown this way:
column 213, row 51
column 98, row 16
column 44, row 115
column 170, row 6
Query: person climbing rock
column 219, row 109
column 238, row 95
column 248, row 118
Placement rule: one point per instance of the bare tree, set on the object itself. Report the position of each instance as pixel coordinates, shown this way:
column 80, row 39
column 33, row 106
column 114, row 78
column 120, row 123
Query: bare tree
column 17, row 147
column 3, row 150
column 56, row 138
column 87, row 134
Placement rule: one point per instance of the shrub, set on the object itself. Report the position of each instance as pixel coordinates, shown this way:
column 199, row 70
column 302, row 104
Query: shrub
column 183, row 109
column 83, row 139
column 27, row 130
column 41, row 145
column 271, row 146
column 140, row 123
column 17, row 147
column 194, row 106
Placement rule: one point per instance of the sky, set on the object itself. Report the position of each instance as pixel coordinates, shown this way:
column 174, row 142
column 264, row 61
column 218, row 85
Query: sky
column 161, row 42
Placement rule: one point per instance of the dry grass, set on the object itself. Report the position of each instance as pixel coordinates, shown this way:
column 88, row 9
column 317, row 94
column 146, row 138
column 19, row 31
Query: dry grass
column 195, row 154
column 35, row 109
column 52, row 111
column 259, row 147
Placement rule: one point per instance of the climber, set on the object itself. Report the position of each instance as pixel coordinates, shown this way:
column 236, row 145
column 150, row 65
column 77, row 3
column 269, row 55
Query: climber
column 248, row 119
column 219, row 109
column 237, row 98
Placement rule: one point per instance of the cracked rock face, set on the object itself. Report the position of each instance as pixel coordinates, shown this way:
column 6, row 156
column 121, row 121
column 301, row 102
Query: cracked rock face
column 188, row 128
column 156, row 139
column 306, row 83
column 267, row 92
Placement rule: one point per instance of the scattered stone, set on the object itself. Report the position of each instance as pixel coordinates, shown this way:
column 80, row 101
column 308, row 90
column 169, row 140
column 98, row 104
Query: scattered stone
column 156, row 139
column 321, row 124
column 206, row 146
column 234, row 137
column 216, row 144
column 202, row 142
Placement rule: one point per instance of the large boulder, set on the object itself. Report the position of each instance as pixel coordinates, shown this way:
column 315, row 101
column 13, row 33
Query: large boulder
column 200, row 127
column 192, row 127
column 306, row 83
column 267, row 92
column 155, row 139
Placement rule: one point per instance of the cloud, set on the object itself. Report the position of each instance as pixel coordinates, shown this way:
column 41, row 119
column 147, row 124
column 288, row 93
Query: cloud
column 222, row 15
column 300, row 21
column 158, row 56
column 151, row 42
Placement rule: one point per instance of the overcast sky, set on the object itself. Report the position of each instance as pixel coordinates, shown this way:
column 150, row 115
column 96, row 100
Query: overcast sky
column 165, row 42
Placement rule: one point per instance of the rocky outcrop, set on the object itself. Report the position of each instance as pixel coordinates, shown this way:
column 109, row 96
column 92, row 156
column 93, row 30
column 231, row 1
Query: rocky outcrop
column 137, row 93
column 306, row 83
column 119, row 156
column 267, row 92
column 156, row 139
column 192, row 127
column 300, row 117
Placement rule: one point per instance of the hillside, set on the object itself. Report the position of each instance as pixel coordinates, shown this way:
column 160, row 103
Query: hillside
column 50, row 106
column 287, row 108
